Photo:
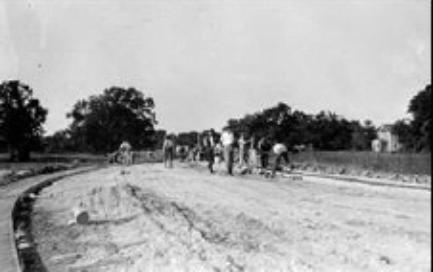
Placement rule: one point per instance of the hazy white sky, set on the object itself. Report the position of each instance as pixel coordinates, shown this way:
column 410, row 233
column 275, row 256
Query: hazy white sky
column 207, row 61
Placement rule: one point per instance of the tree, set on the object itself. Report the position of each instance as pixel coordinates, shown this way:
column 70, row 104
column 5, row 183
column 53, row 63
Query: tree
column 404, row 131
column 187, row 138
column 420, row 108
column 102, row 122
column 157, row 138
column 59, row 142
column 325, row 130
column 21, row 119
column 362, row 136
column 415, row 134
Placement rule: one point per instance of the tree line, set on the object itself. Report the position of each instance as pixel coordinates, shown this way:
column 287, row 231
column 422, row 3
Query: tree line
column 328, row 131
column 323, row 131
column 100, row 122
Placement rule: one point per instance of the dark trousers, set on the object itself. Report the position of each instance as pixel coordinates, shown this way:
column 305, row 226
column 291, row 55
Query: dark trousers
column 210, row 157
column 264, row 159
column 277, row 162
column 168, row 157
column 228, row 158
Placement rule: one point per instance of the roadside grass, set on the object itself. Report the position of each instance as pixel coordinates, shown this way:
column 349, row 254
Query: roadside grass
column 40, row 160
column 397, row 166
column 396, row 163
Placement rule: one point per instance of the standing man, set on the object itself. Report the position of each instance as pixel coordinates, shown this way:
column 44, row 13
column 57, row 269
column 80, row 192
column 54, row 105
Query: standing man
column 193, row 153
column 168, row 151
column 252, row 154
column 242, row 143
column 125, row 151
column 227, row 140
column 218, row 152
column 281, row 153
column 208, row 148
column 264, row 148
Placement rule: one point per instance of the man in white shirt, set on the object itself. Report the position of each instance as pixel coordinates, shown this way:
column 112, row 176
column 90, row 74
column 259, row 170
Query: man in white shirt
column 242, row 144
column 280, row 152
column 227, row 140
column 168, row 151
column 125, row 151
column 253, row 158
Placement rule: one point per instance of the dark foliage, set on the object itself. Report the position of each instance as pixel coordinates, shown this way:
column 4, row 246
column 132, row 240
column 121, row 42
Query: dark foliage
column 21, row 119
column 415, row 134
column 157, row 139
column 102, row 122
column 324, row 131
column 187, row 138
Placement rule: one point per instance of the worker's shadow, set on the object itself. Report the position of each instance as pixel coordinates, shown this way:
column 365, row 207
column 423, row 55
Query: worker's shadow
column 118, row 221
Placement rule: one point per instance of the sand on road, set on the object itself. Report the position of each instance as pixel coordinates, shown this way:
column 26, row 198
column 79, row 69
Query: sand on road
column 184, row 219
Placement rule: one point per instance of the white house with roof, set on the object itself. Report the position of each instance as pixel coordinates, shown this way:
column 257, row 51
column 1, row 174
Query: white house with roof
column 386, row 141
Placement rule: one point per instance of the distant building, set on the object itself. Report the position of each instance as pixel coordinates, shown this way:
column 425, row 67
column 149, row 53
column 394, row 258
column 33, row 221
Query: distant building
column 386, row 141
column 376, row 145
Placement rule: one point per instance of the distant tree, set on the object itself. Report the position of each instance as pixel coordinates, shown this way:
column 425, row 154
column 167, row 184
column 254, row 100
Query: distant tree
column 325, row 130
column 420, row 108
column 61, row 141
column 271, row 122
column 102, row 122
column 362, row 135
column 158, row 138
column 205, row 133
column 415, row 134
column 187, row 138
column 193, row 138
column 403, row 129
column 21, row 119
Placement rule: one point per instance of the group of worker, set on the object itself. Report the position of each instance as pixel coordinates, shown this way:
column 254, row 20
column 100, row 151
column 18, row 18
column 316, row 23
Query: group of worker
column 249, row 154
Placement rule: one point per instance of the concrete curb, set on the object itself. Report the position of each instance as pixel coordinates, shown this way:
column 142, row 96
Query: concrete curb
column 364, row 180
column 9, row 199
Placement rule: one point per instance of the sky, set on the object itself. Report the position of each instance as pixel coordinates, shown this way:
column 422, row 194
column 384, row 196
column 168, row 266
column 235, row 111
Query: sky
column 206, row 61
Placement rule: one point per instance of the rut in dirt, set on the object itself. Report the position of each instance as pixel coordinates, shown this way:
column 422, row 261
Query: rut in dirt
column 153, row 204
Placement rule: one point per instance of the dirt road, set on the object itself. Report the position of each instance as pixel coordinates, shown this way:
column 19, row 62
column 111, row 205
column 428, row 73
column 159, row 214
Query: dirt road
column 185, row 219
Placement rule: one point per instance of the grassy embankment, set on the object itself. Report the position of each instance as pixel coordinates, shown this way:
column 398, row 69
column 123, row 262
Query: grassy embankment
column 408, row 167
column 398, row 166
column 43, row 164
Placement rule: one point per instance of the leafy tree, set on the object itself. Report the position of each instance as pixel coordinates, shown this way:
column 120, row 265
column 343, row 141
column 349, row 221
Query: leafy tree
column 102, row 122
column 415, row 134
column 193, row 138
column 420, row 108
column 362, row 136
column 404, row 131
column 187, row 138
column 60, row 141
column 157, row 138
column 325, row 131
column 21, row 119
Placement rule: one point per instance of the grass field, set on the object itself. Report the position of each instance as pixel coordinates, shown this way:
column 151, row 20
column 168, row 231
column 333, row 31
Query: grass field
column 407, row 163
column 43, row 164
column 40, row 161
column 342, row 161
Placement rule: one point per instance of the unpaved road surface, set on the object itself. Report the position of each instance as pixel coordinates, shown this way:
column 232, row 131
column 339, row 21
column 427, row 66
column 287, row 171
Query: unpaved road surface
column 184, row 219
